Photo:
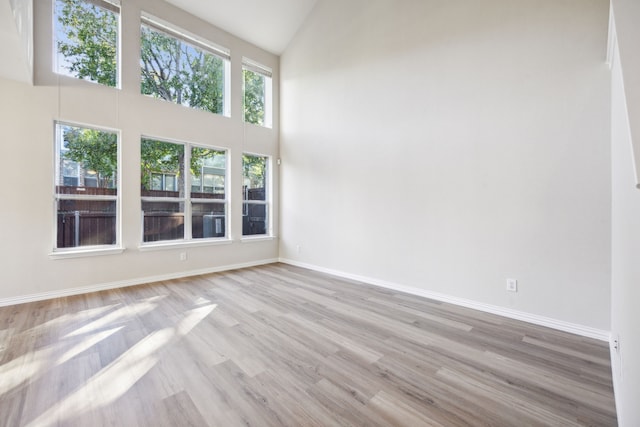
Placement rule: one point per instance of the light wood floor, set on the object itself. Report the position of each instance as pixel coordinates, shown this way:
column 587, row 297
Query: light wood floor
column 282, row 346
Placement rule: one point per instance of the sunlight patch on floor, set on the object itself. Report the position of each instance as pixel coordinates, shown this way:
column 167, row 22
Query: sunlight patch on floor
column 125, row 312
column 114, row 380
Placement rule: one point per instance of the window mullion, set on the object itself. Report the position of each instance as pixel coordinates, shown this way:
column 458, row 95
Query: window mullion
column 188, row 207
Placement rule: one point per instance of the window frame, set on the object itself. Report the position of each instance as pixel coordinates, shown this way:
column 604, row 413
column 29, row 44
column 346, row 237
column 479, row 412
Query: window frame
column 89, row 250
column 114, row 6
column 267, row 202
column 267, row 74
column 188, row 201
column 184, row 36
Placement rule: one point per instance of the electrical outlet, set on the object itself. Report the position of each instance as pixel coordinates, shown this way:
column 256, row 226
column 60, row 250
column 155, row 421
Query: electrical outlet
column 183, row 256
column 512, row 285
column 616, row 344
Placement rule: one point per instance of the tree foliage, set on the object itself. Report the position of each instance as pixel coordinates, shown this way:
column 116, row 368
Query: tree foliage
column 253, row 97
column 176, row 71
column 87, row 40
column 159, row 156
column 170, row 69
column 254, row 170
column 94, row 150
column 167, row 157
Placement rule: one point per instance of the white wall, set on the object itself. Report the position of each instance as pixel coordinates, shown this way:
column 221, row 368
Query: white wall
column 626, row 265
column 625, row 317
column 446, row 146
column 16, row 33
column 627, row 13
column 28, row 114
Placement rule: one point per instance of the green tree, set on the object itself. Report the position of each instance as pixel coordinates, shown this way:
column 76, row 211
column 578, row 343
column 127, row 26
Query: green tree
column 166, row 157
column 253, row 97
column 171, row 70
column 160, row 157
column 254, row 170
column 93, row 150
column 87, row 38
column 176, row 71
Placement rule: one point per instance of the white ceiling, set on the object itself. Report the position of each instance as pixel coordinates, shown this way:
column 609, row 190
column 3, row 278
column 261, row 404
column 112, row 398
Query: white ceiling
column 269, row 24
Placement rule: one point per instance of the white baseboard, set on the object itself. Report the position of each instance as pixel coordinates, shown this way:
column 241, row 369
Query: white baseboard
column 126, row 283
column 560, row 325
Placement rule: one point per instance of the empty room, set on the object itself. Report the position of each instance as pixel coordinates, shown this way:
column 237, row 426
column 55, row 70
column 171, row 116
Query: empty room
column 320, row 213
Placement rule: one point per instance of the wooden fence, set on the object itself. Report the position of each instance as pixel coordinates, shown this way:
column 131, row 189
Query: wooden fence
column 77, row 228
column 85, row 222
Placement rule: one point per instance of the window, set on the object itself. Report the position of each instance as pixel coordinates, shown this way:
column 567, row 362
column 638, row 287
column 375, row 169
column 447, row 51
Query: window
column 86, row 190
column 254, row 192
column 173, row 209
column 164, row 182
column 86, row 39
column 208, row 176
column 257, row 93
column 183, row 69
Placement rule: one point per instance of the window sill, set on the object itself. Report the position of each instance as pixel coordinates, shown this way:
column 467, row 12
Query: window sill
column 250, row 239
column 182, row 244
column 67, row 254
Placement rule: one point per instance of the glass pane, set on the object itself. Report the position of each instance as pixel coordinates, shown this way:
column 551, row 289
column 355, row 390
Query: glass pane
column 208, row 169
column 254, row 219
column 196, row 185
column 86, row 223
column 175, row 71
column 170, row 183
column 161, row 164
column 208, row 220
column 254, row 97
column 163, row 221
column 255, row 177
column 156, row 181
column 87, row 161
column 86, row 40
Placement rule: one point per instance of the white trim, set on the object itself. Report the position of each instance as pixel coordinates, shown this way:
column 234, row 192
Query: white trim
column 256, row 238
column 177, row 244
column 256, row 67
column 112, row 5
column 88, row 197
column 87, row 251
column 160, row 25
column 126, row 283
column 560, row 325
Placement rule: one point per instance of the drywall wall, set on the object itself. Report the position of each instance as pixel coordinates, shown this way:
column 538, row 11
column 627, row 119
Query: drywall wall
column 625, row 292
column 449, row 145
column 16, row 33
column 627, row 13
column 28, row 113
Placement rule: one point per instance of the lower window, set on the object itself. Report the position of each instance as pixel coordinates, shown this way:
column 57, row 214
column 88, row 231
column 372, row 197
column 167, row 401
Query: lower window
column 86, row 190
column 183, row 191
column 255, row 218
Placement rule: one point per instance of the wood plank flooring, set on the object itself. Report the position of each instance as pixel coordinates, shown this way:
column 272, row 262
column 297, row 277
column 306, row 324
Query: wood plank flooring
column 282, row 346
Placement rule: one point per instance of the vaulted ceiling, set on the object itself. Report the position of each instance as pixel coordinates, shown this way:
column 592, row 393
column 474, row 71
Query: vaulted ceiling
column 269, row 24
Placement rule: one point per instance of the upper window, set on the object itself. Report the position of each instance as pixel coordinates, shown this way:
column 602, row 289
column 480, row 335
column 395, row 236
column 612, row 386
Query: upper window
column 255, row 218
column 183, row 69
column 257, row 93
column 173, row 209
column 86, row 189
column 86, row 39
